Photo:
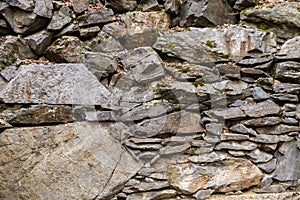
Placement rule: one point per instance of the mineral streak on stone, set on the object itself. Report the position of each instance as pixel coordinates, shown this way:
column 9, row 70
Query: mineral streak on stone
column 57, row 84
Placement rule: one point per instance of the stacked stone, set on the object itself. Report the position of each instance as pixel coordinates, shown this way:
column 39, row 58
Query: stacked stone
column 113, row 100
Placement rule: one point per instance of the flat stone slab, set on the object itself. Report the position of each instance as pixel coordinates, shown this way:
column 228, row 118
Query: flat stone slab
column 57, row 84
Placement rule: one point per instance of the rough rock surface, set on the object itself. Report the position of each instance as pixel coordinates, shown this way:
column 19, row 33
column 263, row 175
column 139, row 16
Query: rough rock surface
column 149, row 99
column 57, row 84
column 89, row 168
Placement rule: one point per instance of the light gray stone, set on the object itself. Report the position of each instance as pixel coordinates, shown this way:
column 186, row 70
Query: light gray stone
column 278, row 129
column 259, row 94
column 232, row 145
column 38, row 42
column 57, row 84
column 270, row 139
column 96, row 17
column 258, row 156
column 264, row 121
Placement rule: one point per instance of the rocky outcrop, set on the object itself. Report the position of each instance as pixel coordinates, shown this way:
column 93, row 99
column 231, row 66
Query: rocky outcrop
column 149, row 99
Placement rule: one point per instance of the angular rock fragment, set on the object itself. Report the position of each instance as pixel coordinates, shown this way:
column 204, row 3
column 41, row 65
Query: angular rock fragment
column 57, row 84
column 264, row 121
column 288, row 72
column 288, row 168
column 205, row 13
column 23, row 22
column 278, row 129
column 176, row 123
column 120, row 6
column 67, row 49
column 261, row 109
column 80, row 6
column 64, row 158
column 228, row 175
column 60, row 19
column 39, row 42
column 290, row 48
column 143, row 63
column 13, row 49
column 270, row 139
column 98, row 17
column 232, row 145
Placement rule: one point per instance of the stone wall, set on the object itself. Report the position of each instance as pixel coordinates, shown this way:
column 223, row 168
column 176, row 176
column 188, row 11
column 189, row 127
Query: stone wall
column 149, row 99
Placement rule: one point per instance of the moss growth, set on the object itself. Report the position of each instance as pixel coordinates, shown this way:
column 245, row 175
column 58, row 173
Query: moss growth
column 222, row 55
column 139, row 9
column 172, row 45
column 244, row 12
column 211, row 44
column 298, row 8
column 198, row 84
column 185, row 69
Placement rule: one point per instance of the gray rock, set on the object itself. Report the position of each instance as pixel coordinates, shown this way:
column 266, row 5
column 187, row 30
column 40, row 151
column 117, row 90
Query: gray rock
column 13, row 49
column 173, row 6
column 269, row 18
column 80, row 6
column 268, row 167
column 290, row 88
column 143, row 63
column 149, row 5
column 23, row 22
column 147, row 110
column 270, row 196
column 232, row 145
column 242, row 4
column 104, row 43
column 152, row 195
column 121, row 5
column 39, row 42
column 251, row 62
column 285, row 97
column 89, row 32
column 258, row 156
column 241, row 128
column 206, row 13
column 261, row 109
column 178, row 123
column 66, row 49
column 98, row 17
column 271, row 189
column 290, row 48
column 178, row 149
column 143, row 147
column 278, row 129
column 229, row 71
column 288, row 72
column 230, row 113
column 259, row 94
column 10, row 72
column 26, row 5
column 57, row 84
column 38, row 114
column 44, row 8
column 232, row 136
column 60, row 19
column 100, row 116
column 209, row 157
column 288, row 167
column 203, row 194
column 65, row 146
column 266, row 181
column 270, row 139
column 225, row 177
column 289, row 120
column 264, row 121
column 142, row 28
column 100, row 64
column 212, row 44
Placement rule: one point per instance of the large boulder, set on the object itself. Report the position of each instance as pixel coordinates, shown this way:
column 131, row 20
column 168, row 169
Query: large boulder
column 57, row 84
column 282, row 19
column 200, row 45
column 73, row 161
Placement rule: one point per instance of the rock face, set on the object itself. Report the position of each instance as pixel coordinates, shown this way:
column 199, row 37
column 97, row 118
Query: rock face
column 149, row 99
column 57, row 84
column 270, row 18
column 80, row 173
column 215, row 44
